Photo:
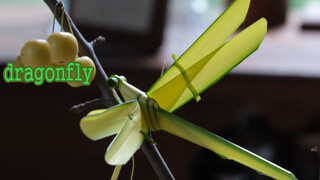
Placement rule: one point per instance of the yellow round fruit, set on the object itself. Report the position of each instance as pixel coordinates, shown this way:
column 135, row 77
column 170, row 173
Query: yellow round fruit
column 35, row 53
column 63, row 47
column 61, row 74
column 18, row 62
column 84, row 61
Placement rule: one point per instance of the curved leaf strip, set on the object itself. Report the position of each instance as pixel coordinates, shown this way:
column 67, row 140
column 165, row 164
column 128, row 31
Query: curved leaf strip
column 187, row 79
column 186, row 130
column 128, row 140
column 99, row 124
column 116, row 172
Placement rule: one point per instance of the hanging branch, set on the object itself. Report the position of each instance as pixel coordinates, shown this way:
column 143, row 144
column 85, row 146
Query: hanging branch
column 86, row 49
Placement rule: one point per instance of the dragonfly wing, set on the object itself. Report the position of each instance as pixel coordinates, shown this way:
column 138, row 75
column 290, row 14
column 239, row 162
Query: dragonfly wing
column 99, row 124
column 208, row 70
column 186, row 130
column 215, row 36
column 128, row 140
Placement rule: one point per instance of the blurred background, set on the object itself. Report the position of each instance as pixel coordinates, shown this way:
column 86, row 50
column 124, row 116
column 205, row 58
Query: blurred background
column 269, row 104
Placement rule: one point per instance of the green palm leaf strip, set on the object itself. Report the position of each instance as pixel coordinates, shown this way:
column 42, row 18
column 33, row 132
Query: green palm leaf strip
column 188, row 131
column 187, row 79
column 99, row 124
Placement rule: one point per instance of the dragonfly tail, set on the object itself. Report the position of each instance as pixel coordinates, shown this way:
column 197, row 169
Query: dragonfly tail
column 193, row 133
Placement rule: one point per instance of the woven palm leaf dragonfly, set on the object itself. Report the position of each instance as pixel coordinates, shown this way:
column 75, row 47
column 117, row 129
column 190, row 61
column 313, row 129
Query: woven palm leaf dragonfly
column 206, row 61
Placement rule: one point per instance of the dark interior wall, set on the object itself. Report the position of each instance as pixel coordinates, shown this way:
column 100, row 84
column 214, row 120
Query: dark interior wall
column 277, row 117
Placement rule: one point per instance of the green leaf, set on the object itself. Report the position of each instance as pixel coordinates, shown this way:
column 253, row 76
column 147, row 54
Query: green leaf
column 186, row 130
column 206, row 71
column 128, row 140
column 99, row 124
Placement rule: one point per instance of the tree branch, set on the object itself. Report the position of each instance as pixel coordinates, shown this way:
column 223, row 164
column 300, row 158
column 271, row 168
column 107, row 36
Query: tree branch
column 86, row 49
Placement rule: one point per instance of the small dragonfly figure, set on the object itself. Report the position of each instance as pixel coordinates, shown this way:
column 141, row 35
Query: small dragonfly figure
column 204, row 63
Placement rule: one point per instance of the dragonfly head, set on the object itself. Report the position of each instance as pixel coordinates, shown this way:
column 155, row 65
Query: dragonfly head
column 115, row 80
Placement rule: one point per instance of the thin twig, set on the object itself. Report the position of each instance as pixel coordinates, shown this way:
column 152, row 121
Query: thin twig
column 84, row 106
column 99, row 40
column 86, row 49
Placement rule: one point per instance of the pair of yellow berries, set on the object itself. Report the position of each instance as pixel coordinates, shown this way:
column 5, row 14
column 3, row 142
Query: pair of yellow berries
column 58, row 50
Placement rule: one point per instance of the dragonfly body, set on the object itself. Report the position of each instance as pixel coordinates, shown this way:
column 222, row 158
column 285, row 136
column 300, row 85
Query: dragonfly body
column 148, row 105
column 203, row 64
